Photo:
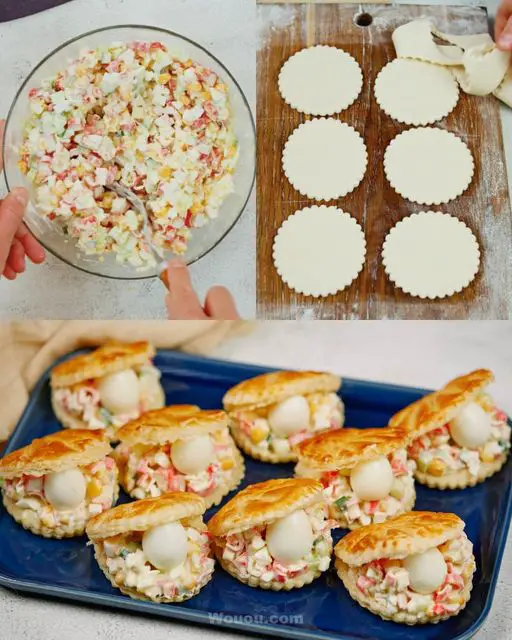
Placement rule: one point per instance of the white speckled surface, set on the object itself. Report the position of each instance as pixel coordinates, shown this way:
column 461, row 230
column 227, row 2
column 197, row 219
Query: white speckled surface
column 408, row 352
column 58, row 291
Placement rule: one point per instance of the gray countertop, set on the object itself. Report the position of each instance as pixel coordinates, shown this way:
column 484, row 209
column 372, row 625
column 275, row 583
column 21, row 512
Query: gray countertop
column 425, row 354
column 57, row 290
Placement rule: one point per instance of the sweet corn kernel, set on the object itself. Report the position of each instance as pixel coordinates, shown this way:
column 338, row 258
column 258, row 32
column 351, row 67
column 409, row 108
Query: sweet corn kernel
column 165, row 172
column 258, row 434
column 94, row 489
column 436, row 468
column 227, row 464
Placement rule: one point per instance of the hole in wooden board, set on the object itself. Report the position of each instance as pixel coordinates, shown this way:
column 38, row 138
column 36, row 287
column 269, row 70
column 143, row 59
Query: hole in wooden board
column 363, row 19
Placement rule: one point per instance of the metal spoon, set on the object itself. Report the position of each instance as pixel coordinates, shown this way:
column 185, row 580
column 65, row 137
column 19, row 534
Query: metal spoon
column 139, row 207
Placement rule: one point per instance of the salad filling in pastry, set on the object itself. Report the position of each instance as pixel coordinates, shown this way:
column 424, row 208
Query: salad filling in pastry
column 272, row 413
column 154, row 549
column 106, row 388
column 55, row 484
column 179, row 448
column 413, row 569
column 275, row 534
column 366, row 474
column 458, row 437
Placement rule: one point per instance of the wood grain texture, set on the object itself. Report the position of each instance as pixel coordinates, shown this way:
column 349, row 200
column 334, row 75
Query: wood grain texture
column 484, row 207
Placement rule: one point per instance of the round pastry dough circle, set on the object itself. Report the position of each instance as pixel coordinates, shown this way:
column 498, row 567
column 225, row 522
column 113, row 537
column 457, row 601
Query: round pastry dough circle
column 416, row 92
column 431, row 255
column 320, row 80
column 428, row 165
column 319, row 251
column 324, row 159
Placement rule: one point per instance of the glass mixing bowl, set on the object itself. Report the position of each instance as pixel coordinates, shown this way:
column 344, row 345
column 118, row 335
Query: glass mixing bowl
column 203, row 239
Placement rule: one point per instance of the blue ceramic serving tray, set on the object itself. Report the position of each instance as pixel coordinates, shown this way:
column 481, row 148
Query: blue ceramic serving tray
column 323, row 610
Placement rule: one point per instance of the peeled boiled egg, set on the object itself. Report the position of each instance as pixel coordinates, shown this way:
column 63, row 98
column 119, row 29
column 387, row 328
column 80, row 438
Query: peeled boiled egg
column 372, row 480
column 165, row 546
column 289, row 416
column 194, row 455
column 120, row 392
column 427, row 571
column 290, row 538
column 65, row 489
column 471, row 428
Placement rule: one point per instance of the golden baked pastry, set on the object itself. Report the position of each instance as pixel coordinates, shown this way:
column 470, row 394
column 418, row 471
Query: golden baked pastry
column 365, row 473
column 458, row 437
column 106, row 388
column 415, row 568
column 179, row 448
column 273, row 412
column 275, row 534
column 154, row 549
column 55, row 484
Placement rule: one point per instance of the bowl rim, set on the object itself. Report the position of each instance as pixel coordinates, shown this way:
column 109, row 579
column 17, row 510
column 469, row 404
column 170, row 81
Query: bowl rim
column 158, row 30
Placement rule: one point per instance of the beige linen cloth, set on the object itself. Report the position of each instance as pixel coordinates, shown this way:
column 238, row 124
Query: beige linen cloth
column 28, row 348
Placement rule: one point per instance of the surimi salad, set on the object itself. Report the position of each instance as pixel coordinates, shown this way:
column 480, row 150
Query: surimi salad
column 326, row 412
column 136, row 114
column 148, row 470
column 387, row 582
column 125, row 559
column 248, row 555
column 438, row 454
column 27, row 493
column 346, row 506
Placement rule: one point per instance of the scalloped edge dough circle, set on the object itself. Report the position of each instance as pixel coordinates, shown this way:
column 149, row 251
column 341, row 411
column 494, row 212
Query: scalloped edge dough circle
column 319, row 251
column 428, row 165
column 324, row 159
column 416, row 92
column 320, row 80
column 431, row 255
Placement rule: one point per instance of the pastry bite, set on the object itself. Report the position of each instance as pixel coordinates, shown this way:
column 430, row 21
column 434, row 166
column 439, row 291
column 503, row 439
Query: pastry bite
column 55, row 484
column 415, row 568
column 179, row 448
column 458, row 436
column 154, row 549
column 106, row 388
column 274, row 534
column 365, row 473
column 273, row 412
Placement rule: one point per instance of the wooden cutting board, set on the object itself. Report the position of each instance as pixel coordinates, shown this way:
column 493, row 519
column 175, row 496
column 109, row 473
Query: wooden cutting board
column 484, row 207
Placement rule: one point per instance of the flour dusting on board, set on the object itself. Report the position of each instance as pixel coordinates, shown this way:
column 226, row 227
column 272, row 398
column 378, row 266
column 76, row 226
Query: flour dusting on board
column 272, row 18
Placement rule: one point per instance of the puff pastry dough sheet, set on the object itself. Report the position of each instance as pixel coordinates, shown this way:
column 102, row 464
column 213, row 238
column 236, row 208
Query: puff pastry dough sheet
column 324, row 159
column 416, row 92
column 320, row 80
column 428, row 165
column 319, row 251
column 431, row 255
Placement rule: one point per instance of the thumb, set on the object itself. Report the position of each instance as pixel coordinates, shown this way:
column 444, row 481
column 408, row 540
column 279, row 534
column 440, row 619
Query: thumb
column 12, row 210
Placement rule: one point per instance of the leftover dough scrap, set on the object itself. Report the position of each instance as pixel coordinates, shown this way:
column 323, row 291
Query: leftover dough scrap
column 428, row 165
column 416, row 92
column 324, row 158
column 319, row 250
column 478, row 65
column 320, row 80
column 431, row 255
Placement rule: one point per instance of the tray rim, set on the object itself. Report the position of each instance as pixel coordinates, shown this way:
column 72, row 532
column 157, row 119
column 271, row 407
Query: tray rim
column 203, row 617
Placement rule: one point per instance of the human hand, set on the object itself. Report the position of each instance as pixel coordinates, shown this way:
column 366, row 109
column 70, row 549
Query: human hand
column 182, row 301
column 503, row 26
column 16, row 242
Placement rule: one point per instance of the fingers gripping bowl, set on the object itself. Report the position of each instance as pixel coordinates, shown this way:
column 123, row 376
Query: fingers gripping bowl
column 184, row 144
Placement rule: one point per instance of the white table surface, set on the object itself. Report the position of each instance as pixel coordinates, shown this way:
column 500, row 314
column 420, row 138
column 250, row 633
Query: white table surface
column 57, row 290
column 414, row 353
